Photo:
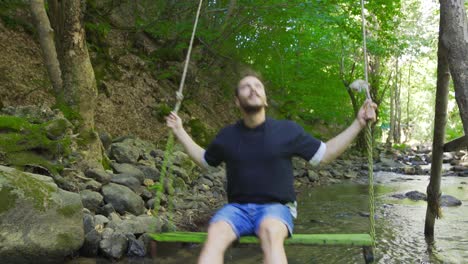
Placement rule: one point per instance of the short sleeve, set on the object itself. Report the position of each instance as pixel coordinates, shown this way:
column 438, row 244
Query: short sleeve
column 304, row 145
column 214, row 153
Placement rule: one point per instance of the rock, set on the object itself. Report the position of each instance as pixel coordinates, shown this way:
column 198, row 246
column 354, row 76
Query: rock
column 325, row 174
column 136, row 248
column 91, row 200
column 350, row 174
column 88, row 223
column 150, row 203
column 150, row 172
column 106, row 210
column 123, row 199
column 114, row 244
column 312, row 175
column 91, row 244
column 146, row 239
column 136, row 225
column 92, row 185
column 39, row 221
column 145, row 43
column 205, row 181
column 448, row 157
column 99, row 175
column 128, row 169
column 399, row 196
column 57, row 128
column 100, row 220
column 126, row 180
column 364, row 214
column 409, row 170
column 181, row 173
column 448, row 201
column 389, row 163
column 123, row 153
column 416, row 196
column 146, row 194
column 106, row 139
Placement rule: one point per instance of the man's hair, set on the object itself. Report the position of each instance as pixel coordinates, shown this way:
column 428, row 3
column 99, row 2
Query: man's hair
column 245, row 73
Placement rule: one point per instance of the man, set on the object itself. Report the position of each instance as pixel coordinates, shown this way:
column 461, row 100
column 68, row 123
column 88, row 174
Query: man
column 257, row 151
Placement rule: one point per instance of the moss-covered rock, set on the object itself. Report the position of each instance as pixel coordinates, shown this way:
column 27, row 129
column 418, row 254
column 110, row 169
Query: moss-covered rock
column 38, row 221
column 32, row 139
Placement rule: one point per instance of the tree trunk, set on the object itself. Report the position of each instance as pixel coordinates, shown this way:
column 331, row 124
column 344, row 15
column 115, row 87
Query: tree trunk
column 392, row 116
column 79, row 92
column 454, row 38
column 46, row 39
column 440, row 120
column 407, row 129
column 396, row 106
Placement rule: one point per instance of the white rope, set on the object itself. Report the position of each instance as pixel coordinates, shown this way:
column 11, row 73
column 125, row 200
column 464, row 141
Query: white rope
column 180, row 93
column 364, row 46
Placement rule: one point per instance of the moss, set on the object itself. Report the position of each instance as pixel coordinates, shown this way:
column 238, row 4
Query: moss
column 87, row 137
column 24, row 143
column 37, row 191
column 160, row 111
column 7, row 199
column 64, row 240
column 56, row 128
column 106, row 163
column 68, row 112
column 69, row 211
column 21, row 159
column 14, row 124
column 201, row 134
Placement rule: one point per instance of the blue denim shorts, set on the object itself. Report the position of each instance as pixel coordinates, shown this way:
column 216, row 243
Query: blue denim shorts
column 245, row 219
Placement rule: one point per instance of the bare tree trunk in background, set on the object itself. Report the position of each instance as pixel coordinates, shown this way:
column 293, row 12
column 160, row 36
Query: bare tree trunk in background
column 455, row 40
column 46, row 39
column 79, row 93
column 396, row 106
column 440, row 120
column 392, row 113
column 408, row 100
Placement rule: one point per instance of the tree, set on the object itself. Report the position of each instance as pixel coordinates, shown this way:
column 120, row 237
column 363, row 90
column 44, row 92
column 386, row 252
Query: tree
column 74, row 82
column 453, row 57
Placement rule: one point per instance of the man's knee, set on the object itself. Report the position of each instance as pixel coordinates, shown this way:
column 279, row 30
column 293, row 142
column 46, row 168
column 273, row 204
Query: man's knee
column 220, row 234
column 273, row 230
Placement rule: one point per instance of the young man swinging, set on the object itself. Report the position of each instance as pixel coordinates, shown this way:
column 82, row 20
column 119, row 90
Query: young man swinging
column 257, row 151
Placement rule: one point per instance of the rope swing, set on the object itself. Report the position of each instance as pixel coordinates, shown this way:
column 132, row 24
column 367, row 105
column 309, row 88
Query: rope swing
column 367, row 241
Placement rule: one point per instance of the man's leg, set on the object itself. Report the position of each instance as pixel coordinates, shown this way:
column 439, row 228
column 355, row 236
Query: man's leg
column 272, row 233
column 220, row 236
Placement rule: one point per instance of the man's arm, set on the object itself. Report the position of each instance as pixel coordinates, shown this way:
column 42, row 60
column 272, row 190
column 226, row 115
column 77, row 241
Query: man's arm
column 193, row 149
column 337, row 145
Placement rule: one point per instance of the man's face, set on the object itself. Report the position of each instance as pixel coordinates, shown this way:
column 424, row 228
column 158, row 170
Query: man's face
column 251, row 95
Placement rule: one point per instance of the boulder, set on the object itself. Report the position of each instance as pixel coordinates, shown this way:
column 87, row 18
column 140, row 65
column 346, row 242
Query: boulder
column 448, row 201
column 114, row 244
column 91, row 200
column 38, row 221
column 123, row 199
column 99, row 175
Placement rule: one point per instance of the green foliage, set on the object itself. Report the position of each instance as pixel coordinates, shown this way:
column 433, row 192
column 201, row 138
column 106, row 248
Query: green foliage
column 160, row 111
column 8, row 14
column 201, row 134
column 24, row 143
column 401, row 147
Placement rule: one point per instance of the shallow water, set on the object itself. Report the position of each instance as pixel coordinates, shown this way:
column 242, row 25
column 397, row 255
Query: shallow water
column 337, row 208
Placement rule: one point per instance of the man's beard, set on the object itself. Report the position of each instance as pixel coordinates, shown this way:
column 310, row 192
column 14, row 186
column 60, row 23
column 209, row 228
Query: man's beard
column 250, row 109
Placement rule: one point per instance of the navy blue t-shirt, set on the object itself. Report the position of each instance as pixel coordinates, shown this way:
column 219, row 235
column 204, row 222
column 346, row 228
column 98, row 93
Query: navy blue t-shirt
column 258, row 160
